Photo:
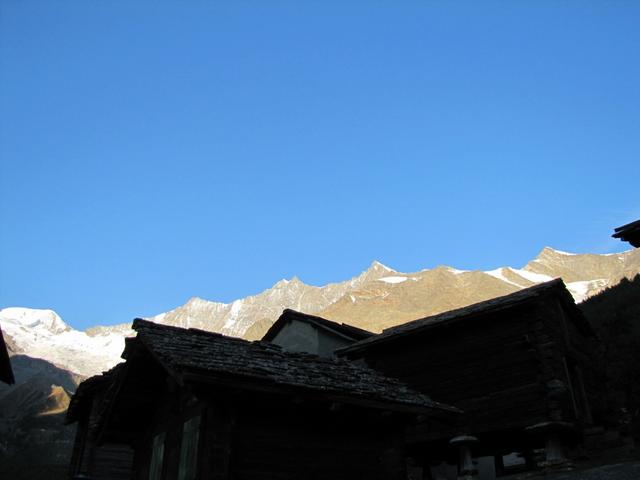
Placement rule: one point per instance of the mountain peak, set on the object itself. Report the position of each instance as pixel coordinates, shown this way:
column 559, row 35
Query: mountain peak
column 34, row 318
column 293, row 281
column 553, row 251
column 376, row 265
column 196, row 301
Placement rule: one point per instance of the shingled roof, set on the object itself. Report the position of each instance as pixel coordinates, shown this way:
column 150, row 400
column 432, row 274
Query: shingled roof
column 193, row 355
column 341, row 329
column 6, row 373
column 629, row 233
column 553, row 287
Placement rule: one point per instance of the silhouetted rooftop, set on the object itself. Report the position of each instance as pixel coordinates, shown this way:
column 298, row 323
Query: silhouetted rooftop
column 555, row 287
column 196, row 355
column 629, row 233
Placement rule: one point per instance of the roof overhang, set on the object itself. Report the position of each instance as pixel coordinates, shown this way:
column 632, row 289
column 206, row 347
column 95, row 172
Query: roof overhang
column 348, row 332
column 629, row 233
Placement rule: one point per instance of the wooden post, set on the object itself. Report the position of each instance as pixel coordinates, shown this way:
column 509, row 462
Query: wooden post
column 466, row 468
column 553, row 434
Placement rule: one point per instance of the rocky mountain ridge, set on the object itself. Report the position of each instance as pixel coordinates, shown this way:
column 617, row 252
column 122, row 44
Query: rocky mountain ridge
column 377, row 298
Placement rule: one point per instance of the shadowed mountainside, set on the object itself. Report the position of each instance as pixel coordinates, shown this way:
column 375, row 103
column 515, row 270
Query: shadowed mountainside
column 34, row 441
column 615, row 315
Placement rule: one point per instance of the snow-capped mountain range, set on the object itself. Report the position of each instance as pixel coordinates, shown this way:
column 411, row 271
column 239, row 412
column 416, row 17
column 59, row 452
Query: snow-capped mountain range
column 377, row 298
column 43, row 334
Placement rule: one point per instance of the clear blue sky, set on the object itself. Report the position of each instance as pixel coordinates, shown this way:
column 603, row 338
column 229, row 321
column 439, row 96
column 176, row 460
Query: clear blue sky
column 154, row 151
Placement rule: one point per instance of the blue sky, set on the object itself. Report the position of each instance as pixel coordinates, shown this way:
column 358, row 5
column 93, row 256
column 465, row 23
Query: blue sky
column 154, row 151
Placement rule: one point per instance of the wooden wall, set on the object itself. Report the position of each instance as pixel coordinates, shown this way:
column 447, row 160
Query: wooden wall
column 112, row 462
column 494, row 367
column 245, row 436
column 287, row 442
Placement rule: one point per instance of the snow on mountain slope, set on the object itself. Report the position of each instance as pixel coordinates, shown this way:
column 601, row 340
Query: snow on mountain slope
column 43, row 334
column 499, row 273
column 436, row 290
column 393, row 279
column 584, row 289
column 42, row 321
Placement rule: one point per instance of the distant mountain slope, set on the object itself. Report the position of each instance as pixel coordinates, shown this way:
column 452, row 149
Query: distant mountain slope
column 377, row 298
column 43, row 334
column 238, row 317
column 34, row 441
column 403, row 297
column 381, row 297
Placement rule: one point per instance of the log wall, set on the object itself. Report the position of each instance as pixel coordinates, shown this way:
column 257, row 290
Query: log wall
column 493, row 367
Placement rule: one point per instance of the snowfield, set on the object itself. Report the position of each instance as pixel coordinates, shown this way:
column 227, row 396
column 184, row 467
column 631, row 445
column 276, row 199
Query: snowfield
column 43, row 334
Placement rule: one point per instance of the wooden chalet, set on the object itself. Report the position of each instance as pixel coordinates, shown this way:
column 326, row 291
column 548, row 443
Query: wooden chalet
column 189, row 404
column 518, row 366
column 6, row 373
column 299, row 332
column 629, row 233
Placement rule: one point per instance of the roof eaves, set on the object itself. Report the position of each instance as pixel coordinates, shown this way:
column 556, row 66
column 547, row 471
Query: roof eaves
column 629, row 226
column 629, row 233
column 343, row 330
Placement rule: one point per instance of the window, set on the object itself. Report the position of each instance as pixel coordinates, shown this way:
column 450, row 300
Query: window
column 157, row 452
column 189, row 450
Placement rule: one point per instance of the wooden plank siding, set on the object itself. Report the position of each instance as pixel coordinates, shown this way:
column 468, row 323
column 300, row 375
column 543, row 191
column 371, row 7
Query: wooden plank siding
column 272, row 442
column 490, row 369
column 507, row 369
column 112, row 462
column 252, row 438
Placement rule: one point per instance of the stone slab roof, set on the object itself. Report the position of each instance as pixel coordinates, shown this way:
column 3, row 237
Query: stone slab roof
column 207, row 356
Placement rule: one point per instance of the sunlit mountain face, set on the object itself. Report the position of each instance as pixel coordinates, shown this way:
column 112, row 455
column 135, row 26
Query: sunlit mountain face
column 377, row 298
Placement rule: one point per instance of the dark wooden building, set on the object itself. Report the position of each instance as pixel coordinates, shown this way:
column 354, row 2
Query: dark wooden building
column 6, row 373
column 191, row 404
column 629, row 233
column 299, row 332
column 518, row 366
column 111, row 460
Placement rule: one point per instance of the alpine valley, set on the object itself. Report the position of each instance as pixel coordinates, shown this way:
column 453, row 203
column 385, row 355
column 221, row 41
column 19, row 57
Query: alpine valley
column 50, row 358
